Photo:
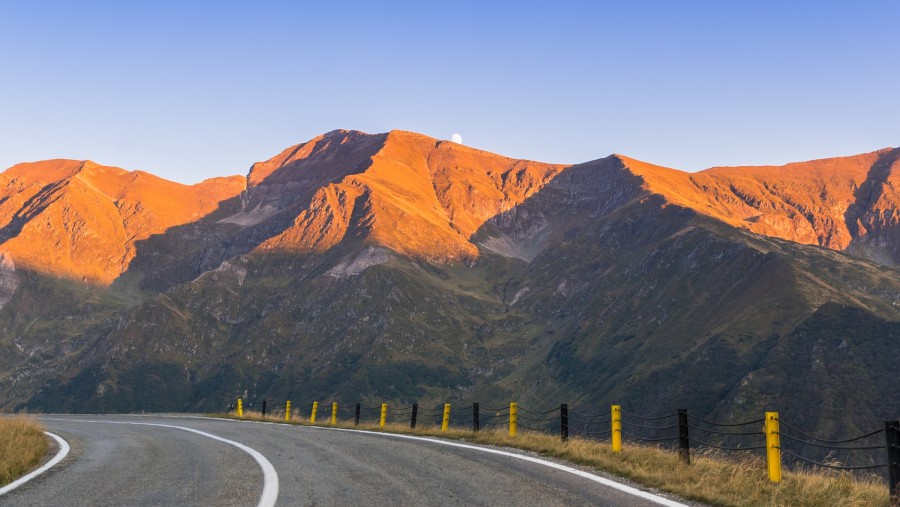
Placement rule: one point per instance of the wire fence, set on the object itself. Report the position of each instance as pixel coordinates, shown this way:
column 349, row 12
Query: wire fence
column 676, row 430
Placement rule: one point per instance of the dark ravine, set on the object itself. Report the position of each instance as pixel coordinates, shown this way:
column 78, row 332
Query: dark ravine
column 398, row 267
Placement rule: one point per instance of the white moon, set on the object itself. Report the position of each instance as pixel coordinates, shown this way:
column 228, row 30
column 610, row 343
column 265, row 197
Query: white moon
column 456, row 138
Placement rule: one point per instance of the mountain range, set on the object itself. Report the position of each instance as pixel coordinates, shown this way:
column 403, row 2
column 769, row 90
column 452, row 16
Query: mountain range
column 399, row 267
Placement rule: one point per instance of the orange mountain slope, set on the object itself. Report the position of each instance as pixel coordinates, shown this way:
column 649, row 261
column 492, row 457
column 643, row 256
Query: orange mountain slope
column 412, row 194
column 81, row 220
column 425, row 197
column 846, row 204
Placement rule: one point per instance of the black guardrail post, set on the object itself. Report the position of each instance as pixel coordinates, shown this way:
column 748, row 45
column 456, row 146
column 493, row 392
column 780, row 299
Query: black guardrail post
column 684, row 443
column 564, row 422
column 264, row 409
column 476, row 423
column 356, row 420
column 412, row 418
column 892, row 444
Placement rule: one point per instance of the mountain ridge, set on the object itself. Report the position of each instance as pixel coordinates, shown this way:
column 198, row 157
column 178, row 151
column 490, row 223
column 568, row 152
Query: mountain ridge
column 397, row 266
column 739, row 196
column 312, row 195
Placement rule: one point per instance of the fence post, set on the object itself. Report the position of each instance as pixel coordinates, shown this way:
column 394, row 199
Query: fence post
column 312, row 415
column 240, row 408
column 383, row 415
column 684, row 443
column 564, row 422
column 333, row 413
column 476, row 423
column 445, row 422
column 356, row 420
column 264, row 409
column 615, row 414
column 892, row 445
column 287, row 411
column 773, row 446
column 513, row 418
column 412, row 418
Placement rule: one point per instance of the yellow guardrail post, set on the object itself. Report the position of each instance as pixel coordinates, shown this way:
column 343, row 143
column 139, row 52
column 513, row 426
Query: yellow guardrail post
column 513, row 418
column 240, row 408
column 383, row 415
column 773, row 446
column 334, row 413
column 312, row 416
column 287, row 411
column 616, row 429
column 445, row 422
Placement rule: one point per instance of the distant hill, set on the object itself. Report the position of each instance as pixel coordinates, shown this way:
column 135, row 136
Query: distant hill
column 400, row 267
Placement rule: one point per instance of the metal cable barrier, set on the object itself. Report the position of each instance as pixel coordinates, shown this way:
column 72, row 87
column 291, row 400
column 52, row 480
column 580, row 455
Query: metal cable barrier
column 833, row 467
column 369, row 413
column 650, row 418
column 539, row 424
column 676, row 430
column 838, row 456
column 543, row 412
column 494, row 418
column 649, row 429
column 729, row 438
column 594, row 426
column 846, row 441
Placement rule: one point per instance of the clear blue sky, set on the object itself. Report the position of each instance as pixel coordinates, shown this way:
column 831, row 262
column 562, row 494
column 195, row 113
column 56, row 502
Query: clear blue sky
column 189, row 90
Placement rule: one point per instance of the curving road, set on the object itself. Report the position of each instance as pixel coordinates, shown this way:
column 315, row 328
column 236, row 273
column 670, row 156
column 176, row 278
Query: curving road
column 183, row 460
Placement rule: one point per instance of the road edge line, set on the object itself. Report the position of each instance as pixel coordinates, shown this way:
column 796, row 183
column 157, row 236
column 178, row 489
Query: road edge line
column 270, row 475
column 646, row 495
column 564, row 468
column 64, row 449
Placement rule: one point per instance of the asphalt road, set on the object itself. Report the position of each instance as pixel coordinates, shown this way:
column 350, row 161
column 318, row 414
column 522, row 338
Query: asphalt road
column 135, row 460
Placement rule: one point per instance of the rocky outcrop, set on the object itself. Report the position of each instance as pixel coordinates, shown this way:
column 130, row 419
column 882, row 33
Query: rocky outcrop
column 9, row 281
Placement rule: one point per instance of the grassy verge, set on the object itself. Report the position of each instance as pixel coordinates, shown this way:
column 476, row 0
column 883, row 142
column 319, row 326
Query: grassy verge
column 22, row 445
column 712, row 477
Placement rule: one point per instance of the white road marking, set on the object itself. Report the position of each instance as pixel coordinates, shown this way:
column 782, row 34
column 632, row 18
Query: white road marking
column 581, row 473
column 270, row 476
column 63, row 452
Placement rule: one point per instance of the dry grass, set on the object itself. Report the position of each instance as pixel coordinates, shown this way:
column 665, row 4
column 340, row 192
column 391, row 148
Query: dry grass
column 22, row 445
column 715, row 478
